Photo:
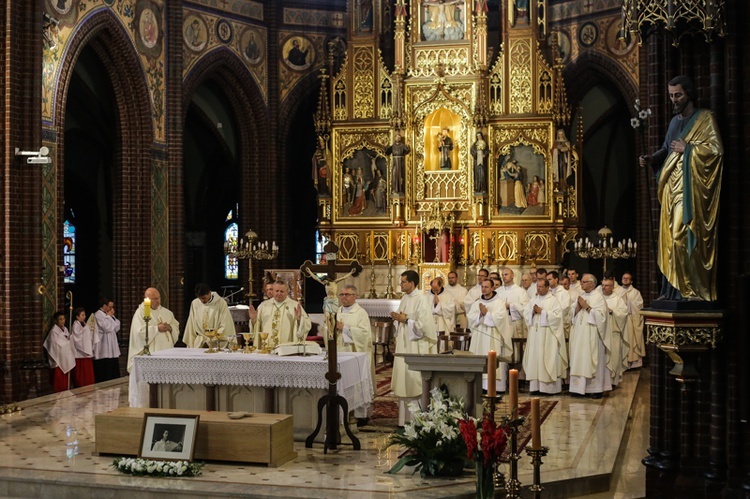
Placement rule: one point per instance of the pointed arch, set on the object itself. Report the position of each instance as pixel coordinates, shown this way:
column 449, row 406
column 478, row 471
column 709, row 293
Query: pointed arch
column 131, row 175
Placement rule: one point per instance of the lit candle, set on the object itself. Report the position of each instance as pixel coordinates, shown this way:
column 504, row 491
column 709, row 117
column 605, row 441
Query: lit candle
column 536, row 429
column 513, row 392
column 491, row 373
column 390, row 247
column 147, row 307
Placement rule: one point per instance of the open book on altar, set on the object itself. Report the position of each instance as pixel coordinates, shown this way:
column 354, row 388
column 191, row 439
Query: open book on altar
column 299, row 348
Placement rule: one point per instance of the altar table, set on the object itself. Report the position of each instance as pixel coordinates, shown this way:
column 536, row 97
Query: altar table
column 189, row 378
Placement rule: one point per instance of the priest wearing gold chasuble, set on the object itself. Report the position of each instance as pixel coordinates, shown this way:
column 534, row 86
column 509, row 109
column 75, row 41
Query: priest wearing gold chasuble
column 282, row 318
column 415, row 334
column 688, row 168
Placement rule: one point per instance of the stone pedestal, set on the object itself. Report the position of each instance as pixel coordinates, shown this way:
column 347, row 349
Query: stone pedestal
column 462, row 374
column 689, row 338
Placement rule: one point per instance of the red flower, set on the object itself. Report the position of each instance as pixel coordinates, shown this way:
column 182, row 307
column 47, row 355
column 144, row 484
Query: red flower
column 469, row 431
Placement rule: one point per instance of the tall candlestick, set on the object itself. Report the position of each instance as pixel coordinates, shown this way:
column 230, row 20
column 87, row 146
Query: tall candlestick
column 491, row 373
column 536, row 429
column 513, row 392
column 147, row 307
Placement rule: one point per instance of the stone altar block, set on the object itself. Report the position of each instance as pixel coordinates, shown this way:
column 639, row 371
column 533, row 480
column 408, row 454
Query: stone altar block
column 461, row 373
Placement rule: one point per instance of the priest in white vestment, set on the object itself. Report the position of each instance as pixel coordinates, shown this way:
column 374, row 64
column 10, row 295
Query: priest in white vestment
column 355, row 335
column 474, row 293
column 589, row 344
column 562, row 295
column 459, row 295
column 415, row 334
column 282, row 318
column 634, row 323
column 207, row 311
column 491, row 330
column 545, row 360
column 575, row 285
column 617, row 314
column 443, row 307
column 163, row 328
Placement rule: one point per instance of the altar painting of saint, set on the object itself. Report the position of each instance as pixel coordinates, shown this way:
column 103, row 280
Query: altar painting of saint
column 443, row 20
column 364, row 185
column 521, row 183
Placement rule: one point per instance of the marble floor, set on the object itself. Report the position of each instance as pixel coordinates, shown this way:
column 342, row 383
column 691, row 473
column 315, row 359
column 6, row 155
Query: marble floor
column 46, row 450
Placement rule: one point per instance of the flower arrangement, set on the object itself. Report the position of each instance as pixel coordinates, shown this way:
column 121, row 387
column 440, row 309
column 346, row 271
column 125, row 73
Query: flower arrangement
column 641, row 118
column 146, row 467
column 484, row 448
column 432, row 438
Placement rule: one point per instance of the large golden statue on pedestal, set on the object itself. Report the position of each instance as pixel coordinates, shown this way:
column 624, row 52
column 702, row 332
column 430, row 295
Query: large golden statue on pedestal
column 476, row 132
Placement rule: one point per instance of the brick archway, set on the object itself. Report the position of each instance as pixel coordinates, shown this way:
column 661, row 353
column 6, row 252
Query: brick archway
column 131, row 185
column 258, row 176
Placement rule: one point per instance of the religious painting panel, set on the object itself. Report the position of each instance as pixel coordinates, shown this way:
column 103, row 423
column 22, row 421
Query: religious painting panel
column 362, row 175
column 523, row 184
column 442, row 20
column 441, row 142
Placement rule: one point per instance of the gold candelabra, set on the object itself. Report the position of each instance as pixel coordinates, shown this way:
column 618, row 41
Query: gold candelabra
column 249, row 248
column 606, row 248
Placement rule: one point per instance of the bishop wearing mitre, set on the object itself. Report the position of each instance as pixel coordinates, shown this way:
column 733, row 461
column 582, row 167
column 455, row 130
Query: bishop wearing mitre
column 491, row 330
column 545, row 360
column 415, row 334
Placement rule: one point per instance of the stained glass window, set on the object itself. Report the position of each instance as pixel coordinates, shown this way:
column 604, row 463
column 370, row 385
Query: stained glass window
column 231, row 265
column 69, row 252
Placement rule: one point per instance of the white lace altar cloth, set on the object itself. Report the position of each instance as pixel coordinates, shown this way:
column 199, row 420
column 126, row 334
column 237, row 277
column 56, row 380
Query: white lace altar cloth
column 379, row 307
column 195, row 367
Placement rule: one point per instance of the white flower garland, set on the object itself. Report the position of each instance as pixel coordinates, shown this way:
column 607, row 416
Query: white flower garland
column 147, row 467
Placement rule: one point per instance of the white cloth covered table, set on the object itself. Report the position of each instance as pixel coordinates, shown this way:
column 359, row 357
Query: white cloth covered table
column 193, row 366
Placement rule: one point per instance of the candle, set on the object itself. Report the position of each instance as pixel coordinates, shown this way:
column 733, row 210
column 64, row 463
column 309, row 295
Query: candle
column 491, row 373
column 147, row 307
column 536, row 429
column 513, row 392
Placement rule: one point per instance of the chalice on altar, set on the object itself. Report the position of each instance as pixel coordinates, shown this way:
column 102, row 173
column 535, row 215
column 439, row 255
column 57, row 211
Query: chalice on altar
column 211, row 335
column 247, row 337
column 263, row 344
column 233, row 346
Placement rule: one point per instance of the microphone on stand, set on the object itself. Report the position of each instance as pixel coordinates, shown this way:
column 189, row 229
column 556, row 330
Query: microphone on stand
column 232, row 294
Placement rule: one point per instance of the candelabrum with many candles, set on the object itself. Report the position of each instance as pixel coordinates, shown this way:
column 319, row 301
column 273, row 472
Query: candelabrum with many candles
column 249, row 248
column 607, row 247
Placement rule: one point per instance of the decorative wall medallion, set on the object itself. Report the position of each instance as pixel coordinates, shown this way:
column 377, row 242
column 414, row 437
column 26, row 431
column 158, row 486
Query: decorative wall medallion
column 224, row 31
column 588, row 34
column 148, row 24
column 298, row 53
column 619, row 46
column 253, row 46
column 65, row 11
column 194, row 32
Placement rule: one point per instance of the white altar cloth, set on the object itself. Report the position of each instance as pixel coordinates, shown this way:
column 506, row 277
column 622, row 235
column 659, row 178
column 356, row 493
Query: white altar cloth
column 194, row 366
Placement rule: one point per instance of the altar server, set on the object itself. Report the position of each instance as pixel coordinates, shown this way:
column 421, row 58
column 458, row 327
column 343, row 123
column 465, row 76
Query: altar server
column 62, row 358
column 83, row 346
column 106, row 348
column 415, row 334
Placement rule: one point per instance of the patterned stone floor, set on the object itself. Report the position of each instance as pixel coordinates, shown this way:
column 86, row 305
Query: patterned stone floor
column 46, row 451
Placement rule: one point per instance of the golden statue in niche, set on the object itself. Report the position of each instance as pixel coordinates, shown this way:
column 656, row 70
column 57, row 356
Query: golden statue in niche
column 441, row 141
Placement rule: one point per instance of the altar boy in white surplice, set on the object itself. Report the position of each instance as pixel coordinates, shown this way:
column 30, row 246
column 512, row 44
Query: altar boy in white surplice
column 491, row 330
column 545, row 359
column 415, row 334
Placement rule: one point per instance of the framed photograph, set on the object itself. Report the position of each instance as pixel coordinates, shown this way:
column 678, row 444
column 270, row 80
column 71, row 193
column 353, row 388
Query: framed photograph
column 168, row 437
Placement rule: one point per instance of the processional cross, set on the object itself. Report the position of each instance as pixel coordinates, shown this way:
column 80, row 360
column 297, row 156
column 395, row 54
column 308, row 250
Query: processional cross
column 332, row 401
